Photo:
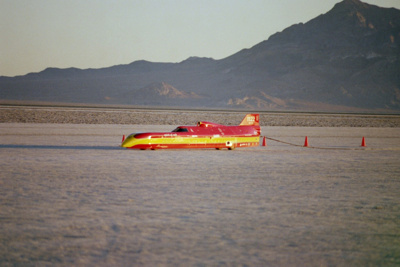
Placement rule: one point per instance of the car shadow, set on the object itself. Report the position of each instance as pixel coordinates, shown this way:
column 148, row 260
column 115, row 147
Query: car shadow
column 61, row 147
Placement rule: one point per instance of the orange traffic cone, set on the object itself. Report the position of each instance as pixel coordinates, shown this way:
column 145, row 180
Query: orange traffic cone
column 306, row 142
column 264, row 143
column 123, row 138
column 363, row 142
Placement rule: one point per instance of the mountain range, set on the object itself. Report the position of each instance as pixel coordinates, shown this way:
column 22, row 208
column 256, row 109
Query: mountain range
column 346, row 60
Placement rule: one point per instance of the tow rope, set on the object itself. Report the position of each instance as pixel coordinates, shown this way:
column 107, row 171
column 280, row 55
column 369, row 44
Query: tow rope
column 317, row 147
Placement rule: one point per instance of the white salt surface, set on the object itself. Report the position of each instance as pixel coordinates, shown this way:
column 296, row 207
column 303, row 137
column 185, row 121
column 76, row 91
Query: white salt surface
column 70, row 196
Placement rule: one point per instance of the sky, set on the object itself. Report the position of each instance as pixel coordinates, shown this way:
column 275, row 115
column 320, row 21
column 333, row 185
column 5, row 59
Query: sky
column 37, row 34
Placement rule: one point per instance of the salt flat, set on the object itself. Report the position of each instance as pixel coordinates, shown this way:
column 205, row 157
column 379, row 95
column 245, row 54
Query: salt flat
column 70, row 196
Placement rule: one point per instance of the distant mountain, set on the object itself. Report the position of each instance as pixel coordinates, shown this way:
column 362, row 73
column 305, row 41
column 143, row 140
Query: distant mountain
column 159, row 93
column 348, row 56
column 345, row 60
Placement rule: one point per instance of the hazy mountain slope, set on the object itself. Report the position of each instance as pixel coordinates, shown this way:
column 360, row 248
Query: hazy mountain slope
column 348, row 56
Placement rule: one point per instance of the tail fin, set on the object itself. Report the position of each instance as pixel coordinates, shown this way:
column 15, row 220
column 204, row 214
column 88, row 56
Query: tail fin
column 251, row 120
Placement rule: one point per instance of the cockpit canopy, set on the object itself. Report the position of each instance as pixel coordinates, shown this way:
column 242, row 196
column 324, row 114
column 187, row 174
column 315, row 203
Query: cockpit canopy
column 180, row 129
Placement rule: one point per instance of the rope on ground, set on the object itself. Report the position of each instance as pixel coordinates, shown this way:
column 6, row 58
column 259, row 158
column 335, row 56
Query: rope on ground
column 316, row 147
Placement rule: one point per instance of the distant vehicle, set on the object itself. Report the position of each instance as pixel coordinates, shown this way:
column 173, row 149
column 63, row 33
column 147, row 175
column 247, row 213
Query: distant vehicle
column 203, row 135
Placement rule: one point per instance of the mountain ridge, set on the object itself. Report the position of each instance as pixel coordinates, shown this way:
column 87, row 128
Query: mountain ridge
column 348, row 57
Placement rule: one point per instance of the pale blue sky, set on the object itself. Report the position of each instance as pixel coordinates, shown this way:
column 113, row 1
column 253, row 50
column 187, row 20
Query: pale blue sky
column 36, row 34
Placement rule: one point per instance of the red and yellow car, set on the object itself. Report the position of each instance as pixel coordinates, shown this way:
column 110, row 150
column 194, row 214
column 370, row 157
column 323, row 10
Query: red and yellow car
column 203, row 135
